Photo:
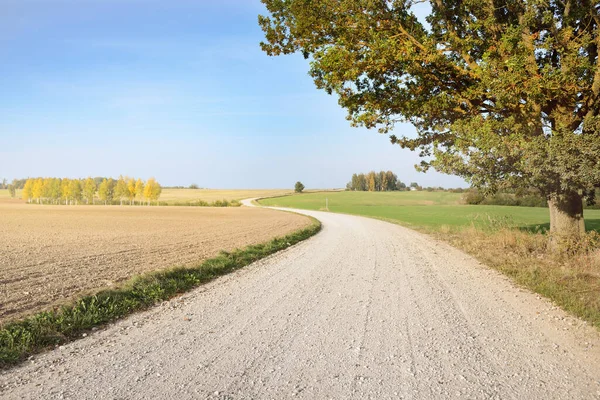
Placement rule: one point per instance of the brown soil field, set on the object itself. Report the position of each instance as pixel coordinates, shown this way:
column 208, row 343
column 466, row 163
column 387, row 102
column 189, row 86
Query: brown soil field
column 51, row 254
column 210, row 195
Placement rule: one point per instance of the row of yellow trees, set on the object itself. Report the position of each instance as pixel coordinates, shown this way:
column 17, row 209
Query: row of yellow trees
column 77, row 191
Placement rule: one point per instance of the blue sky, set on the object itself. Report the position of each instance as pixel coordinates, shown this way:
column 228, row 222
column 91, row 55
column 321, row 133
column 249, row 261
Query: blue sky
column 178, row 90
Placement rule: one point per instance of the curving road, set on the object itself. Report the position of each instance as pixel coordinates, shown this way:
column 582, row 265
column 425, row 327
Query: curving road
column 365, row 309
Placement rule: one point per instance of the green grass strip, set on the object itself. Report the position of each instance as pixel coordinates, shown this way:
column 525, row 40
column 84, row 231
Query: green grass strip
column 20, row 339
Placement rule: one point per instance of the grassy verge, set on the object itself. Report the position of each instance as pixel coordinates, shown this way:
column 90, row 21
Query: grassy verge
column 19, row 339
column 512, row 240
column 570, row 277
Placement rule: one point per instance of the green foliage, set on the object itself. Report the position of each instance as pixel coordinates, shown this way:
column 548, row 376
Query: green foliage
column 474, row 197
column 503, row 93
column 19, row 183
column 505, row 199
column 221, row 203
column 46, row 329
column 298, row 187
column 121, row 190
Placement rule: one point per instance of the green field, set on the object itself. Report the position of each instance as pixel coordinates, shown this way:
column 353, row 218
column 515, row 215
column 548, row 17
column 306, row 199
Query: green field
column 426, row 209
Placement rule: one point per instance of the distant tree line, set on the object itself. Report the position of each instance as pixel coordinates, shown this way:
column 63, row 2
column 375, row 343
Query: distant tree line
column 191, row 186
column 18, row 184
column 521, row 197
column 89, row 191
column 382, row 181
column 12, row 187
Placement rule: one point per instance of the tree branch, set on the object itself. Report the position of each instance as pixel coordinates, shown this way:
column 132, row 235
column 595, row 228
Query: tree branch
column 451, row 31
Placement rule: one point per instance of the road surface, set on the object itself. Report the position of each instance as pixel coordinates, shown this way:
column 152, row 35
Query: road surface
column 365, row 309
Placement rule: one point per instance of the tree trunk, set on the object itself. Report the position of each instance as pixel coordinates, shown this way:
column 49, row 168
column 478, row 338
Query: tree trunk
column 566, row 216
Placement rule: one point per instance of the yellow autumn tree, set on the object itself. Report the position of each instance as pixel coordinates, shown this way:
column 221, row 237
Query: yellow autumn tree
column 55, row 190
column 139, row 190
column 371, row 181
column 148, row 189
column 383, row 185
column 47, row 189
column 121, row 189
column 75, row 190
column 65, row 190
column 156, row 191
column 106, row 190
column 152, row 190
column 37, row 188
column 89, row 189
column 28, row 190
column 131, row 190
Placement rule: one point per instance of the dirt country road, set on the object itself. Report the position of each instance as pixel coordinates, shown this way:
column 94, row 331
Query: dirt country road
column 365, row 309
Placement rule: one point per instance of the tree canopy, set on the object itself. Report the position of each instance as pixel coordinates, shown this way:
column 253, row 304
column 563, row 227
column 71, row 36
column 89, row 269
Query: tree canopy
column 152, row 190
column 383, row 181
column 504, row 93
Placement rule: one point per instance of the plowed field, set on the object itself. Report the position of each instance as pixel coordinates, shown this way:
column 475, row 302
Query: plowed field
column 49, row 254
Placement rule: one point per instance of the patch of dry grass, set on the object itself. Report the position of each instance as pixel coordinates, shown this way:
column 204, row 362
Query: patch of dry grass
column 5, row 196
column 569, row 276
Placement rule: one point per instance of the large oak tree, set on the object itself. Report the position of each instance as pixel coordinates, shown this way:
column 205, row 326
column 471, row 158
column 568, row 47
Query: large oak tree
column 501, row 92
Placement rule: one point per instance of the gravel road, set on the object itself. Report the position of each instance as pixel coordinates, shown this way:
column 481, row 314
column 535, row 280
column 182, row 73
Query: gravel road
column 365, row 309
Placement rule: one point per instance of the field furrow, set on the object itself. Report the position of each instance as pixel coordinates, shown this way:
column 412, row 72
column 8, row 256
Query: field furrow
column 51, row 254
